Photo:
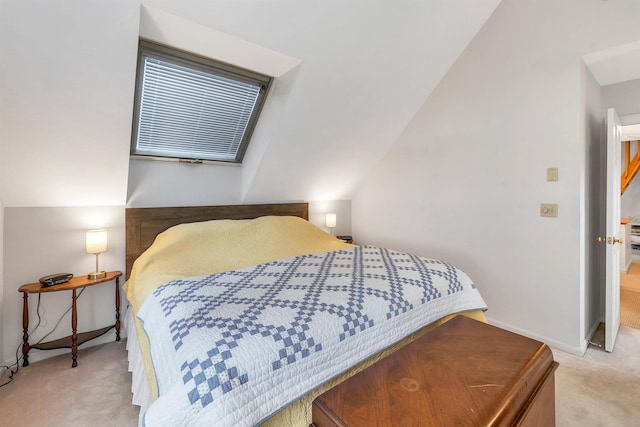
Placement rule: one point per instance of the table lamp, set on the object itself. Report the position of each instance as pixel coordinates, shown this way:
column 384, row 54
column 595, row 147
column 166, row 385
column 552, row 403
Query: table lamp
column 96, row 244
column 330, row 222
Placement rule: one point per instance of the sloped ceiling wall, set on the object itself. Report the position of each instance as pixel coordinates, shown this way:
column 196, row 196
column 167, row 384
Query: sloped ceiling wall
column 68, row 69
column 66, row 90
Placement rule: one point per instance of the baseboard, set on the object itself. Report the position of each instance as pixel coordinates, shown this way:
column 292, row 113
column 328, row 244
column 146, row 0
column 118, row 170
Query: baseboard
column 578, row 351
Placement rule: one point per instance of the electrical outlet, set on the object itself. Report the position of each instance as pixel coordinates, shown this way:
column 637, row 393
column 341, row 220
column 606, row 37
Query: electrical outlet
column 549, row 210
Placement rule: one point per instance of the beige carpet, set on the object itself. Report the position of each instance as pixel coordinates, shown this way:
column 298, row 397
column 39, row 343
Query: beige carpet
column 50, row 393
column 630, row 308
column 599, row 389
column 631, row 280
column 630, row 297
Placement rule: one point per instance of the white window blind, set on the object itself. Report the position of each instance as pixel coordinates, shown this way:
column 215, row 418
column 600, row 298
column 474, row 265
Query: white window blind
column 192, row 110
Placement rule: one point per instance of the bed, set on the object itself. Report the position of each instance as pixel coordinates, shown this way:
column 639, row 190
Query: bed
column 242, row 315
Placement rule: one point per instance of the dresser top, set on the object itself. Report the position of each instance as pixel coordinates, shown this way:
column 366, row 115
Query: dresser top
column 463, row 373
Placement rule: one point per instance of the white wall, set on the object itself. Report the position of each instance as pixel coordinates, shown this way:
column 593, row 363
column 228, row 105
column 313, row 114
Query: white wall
column 624, row 97
column 66, row 84
column 319, row 209
column 2, row 359
column 630, row 201
column 166, row 183
column 41, row 241
column 465, row 180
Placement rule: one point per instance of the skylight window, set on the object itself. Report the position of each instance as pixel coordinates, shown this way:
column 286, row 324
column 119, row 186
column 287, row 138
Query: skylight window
column 190, row 107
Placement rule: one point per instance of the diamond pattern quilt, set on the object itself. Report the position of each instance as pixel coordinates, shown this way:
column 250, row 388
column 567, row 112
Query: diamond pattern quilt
column 232, row 348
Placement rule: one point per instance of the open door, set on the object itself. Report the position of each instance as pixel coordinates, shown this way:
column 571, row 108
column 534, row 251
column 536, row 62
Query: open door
column 614, row 172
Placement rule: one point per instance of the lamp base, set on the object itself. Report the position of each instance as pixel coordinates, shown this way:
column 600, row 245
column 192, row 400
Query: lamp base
column 97, row 275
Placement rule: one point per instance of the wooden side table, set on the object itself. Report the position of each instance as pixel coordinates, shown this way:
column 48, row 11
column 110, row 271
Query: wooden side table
column 75, row 339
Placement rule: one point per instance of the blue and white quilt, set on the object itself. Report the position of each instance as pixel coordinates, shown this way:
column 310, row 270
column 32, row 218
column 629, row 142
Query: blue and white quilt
column 233, row 348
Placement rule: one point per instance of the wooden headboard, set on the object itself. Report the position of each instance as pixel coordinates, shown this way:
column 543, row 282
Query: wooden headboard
column 144, row 224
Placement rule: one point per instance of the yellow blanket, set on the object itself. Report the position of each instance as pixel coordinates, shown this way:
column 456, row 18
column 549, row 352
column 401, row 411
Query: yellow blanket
column 214, row 246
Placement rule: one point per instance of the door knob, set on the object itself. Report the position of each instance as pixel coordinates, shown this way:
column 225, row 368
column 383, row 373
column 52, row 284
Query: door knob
column 610, row 240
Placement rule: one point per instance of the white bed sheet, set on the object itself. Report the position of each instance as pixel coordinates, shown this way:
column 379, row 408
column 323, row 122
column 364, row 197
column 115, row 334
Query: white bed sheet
column 139, row 385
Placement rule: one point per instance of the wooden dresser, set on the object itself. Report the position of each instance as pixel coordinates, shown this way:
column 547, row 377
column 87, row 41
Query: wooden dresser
column 463, row 373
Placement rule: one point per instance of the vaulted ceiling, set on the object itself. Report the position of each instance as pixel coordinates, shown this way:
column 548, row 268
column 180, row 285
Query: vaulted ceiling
column 359, row 70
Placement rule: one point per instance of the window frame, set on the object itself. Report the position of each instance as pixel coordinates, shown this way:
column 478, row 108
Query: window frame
column 200, row 63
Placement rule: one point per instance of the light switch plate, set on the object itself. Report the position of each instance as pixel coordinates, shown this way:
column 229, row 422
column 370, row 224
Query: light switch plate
column 552, row 174
column 549, row 210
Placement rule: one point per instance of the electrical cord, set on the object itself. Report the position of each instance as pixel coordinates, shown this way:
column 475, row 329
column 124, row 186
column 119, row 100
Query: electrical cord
column 8, row 367
column 59, row 320
column 18, row 358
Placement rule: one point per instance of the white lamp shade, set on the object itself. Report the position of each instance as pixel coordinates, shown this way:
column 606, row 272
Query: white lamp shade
column 331, row 220
column 96, row 241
